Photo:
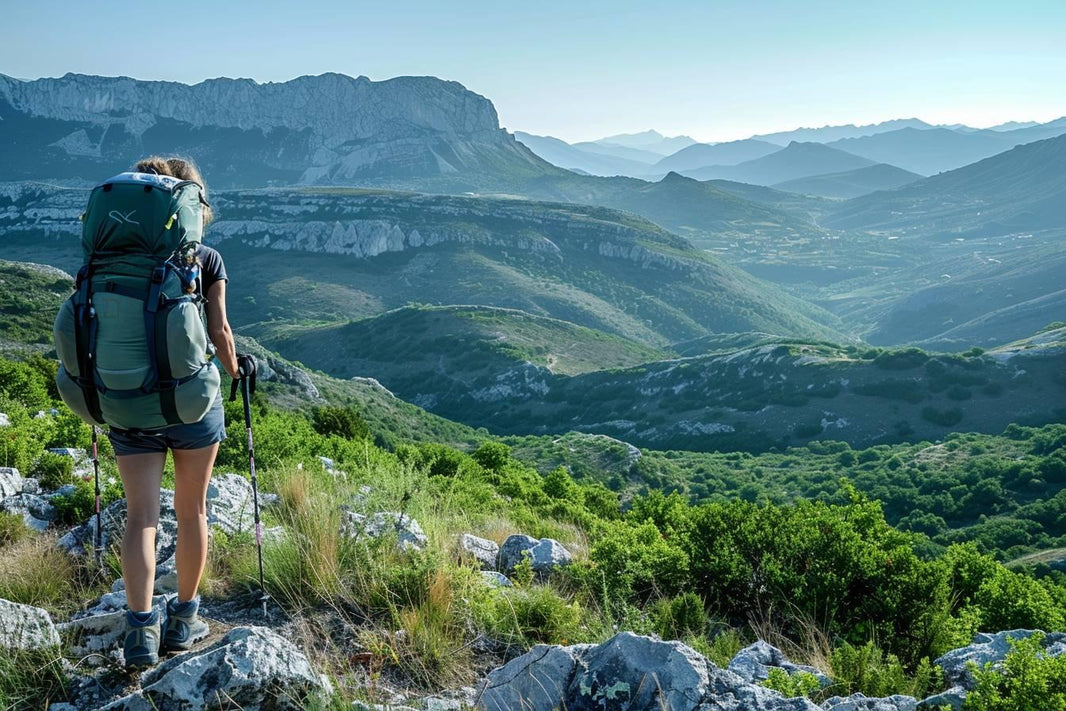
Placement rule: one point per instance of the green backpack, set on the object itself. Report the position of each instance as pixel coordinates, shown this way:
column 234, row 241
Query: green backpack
column 131, row 340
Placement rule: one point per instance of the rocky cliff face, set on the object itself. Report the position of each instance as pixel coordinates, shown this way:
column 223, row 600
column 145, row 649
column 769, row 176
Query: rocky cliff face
column 328, row 128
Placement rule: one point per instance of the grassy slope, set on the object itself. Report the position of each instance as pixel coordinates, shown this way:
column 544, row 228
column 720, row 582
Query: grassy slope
column 413, row 343
column 30, row 295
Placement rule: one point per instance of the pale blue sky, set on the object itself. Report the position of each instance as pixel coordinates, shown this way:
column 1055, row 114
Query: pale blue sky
column 715, row 70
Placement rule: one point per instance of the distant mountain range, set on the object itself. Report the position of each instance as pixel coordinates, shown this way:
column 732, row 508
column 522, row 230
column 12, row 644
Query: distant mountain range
column 589, row 158
column 1020, row 189
column 851, row 183
column 700, row 155
column 797, row 160
column 651, row 141
column 910, row 144
column 328, row 128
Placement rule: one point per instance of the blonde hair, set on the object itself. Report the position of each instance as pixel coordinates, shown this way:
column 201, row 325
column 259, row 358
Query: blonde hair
column 180, row 168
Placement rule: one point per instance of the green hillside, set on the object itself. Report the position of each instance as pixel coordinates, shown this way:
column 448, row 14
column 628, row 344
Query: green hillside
column 412, row 346
column 745, row 391
column 334, row 254
column 1006, row 493
column 30, row 295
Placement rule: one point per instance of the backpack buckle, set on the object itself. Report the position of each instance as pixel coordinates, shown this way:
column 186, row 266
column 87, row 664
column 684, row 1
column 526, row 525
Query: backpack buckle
column 159, row 274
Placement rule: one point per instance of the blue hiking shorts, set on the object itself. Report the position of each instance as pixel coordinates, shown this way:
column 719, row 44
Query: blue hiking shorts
column 208, row 431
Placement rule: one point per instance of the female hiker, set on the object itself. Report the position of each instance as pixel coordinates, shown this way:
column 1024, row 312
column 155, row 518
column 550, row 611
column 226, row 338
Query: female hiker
column 141, row 455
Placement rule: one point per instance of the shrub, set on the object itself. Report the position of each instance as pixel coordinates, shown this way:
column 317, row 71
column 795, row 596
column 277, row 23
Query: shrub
column 53, row 470
column 492, row 455
column 867, row 669
column 792, row 685
column 679, row 617
column 530, row 615
column 944, row 418
column 904, row 359
column 1027, row 680
column 636, row 563
column 78, row 506
column 12, row 528
column 345, row 422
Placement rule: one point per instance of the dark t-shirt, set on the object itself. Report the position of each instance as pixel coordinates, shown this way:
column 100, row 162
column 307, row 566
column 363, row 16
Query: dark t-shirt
column 212, row 269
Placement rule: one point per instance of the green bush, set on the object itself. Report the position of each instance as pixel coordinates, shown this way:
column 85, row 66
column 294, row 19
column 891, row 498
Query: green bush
column 12, row 528
column 1028, row 680
column 530, row 615
column 679, row 617
column 78, row 506
column 944, row 418
column 792, row 685
column 53, row 470
column 867, row 669
column 345, row 422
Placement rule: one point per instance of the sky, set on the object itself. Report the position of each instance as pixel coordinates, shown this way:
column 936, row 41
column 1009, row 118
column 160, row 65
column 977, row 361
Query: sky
column 579, row 70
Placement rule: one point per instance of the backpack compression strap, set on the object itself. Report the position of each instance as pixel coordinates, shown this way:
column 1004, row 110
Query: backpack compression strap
column 85, row 342
column 160, row 376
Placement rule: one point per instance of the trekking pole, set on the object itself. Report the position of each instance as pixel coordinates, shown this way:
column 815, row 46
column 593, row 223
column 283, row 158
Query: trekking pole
column 255, row 491
column 98, row 537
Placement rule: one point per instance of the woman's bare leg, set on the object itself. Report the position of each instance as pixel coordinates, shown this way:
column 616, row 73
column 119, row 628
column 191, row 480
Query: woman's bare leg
column 192, row 472
column 141, row 475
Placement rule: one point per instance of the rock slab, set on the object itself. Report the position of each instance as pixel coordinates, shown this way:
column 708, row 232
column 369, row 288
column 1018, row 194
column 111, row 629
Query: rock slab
column 545, row 555
column 24, row 627
column 251, row 667
column 480, row 550
column 629, row 672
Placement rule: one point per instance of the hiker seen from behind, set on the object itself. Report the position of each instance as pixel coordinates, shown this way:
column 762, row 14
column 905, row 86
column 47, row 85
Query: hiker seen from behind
column 136, row 343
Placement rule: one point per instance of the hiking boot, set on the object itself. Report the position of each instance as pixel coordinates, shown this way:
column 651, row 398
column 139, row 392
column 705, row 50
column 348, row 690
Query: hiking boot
column 141, row 648
column 184, row 627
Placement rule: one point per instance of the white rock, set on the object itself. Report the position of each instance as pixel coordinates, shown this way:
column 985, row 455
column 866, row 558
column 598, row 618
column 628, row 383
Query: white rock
column 26, row 627
column 496, row 579
column 535, row 681
column 860, row 702
column 230, row 504
column 481, row 550
column 5, row 421
column 991, row 648
column 546, row 554
column 250, row 667
column 753, row 664
column 80, row 540
column 409, row 535
column 10, row 482
column 36, row 511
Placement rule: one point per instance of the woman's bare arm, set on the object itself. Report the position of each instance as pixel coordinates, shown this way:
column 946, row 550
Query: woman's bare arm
column 218, row 328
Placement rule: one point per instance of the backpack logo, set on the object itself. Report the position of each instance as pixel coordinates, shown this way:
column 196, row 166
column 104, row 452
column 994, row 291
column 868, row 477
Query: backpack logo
column 119, row 217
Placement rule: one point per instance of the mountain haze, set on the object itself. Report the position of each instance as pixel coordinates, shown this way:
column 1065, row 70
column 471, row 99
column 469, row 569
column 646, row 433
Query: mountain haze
column 700, row 155
column 1023, row 188
column 564, row 155
column 650, row 140
column 797, row 160
column 851, row 183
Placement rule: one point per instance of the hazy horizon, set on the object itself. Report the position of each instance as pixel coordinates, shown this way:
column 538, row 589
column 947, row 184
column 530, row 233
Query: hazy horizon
column 715, row 72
